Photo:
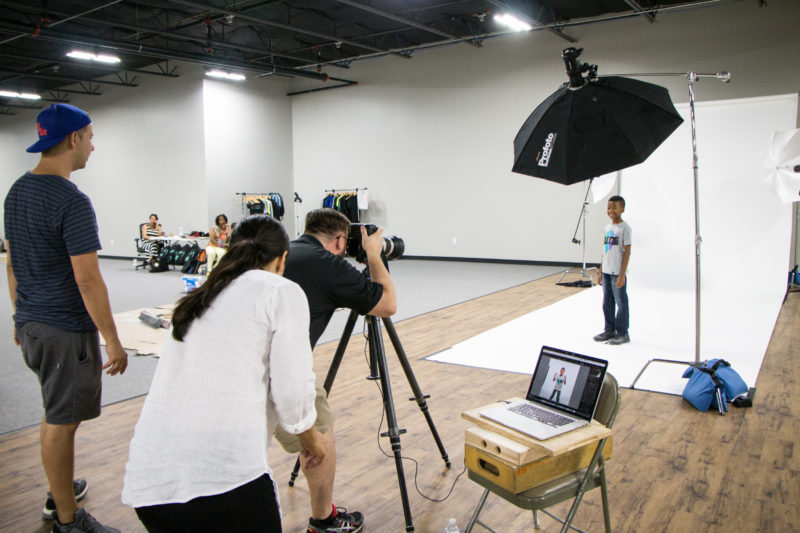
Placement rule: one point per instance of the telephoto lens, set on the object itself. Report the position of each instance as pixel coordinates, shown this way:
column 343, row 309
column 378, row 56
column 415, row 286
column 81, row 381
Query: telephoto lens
column 393, row 247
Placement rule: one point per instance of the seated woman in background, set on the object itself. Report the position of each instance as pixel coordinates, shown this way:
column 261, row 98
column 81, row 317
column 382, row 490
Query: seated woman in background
column 217, row 242
column 199, row 455
column 149, row 231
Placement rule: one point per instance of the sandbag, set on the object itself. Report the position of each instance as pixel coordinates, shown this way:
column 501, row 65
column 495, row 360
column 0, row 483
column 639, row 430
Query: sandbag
column 706, row 378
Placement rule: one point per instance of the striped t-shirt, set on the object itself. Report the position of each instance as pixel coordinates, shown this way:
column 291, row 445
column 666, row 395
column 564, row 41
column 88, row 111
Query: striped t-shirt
column 47, row 220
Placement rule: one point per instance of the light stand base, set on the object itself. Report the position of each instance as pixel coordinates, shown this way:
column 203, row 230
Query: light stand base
column 585, row 280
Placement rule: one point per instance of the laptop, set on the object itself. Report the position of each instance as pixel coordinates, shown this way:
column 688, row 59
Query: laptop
column 562, row 395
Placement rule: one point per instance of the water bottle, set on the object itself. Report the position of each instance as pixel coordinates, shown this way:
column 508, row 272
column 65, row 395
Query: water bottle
column 452, row 527
column 180, row 231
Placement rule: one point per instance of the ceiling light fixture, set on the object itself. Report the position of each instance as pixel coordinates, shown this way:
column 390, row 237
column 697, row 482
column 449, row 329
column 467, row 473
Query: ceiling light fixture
column 88, row 56
column 221, row 74
column 513, row 22
column 24, row 96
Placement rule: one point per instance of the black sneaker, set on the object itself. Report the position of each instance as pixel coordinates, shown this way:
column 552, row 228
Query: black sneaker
column 82, row 523
column 604, row 336
column 79, row 486
column 619, row 339
column 340, row 521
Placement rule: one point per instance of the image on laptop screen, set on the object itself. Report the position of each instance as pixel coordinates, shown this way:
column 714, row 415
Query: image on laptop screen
column 567, row 381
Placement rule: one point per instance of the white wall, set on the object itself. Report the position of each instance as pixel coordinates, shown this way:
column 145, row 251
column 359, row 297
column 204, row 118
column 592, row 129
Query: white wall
column 431, row 137
column 180, row 148
column 248, row 144
column 148, row 156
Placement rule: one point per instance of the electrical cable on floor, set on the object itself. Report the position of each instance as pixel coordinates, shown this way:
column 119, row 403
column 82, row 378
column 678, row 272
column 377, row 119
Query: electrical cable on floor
column 378, row 438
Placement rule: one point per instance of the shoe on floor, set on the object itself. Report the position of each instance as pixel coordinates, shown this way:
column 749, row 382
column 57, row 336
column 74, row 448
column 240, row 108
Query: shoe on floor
column 604, row 336
column 619, row 339
column 340, row 521
column 80, row 486
column 82, row 523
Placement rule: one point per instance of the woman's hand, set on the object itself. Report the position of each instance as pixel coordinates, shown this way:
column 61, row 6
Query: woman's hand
column 314, row 448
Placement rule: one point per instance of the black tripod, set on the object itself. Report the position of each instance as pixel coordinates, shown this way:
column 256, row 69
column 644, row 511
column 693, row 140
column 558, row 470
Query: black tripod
column 379, row 370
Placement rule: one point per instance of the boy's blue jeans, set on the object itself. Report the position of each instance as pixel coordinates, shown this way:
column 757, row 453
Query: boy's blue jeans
column 615, row 297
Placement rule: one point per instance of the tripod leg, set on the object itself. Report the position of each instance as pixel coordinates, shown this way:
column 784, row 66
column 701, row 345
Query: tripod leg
column 332, row 370
column 379, row 356
column 412, row 381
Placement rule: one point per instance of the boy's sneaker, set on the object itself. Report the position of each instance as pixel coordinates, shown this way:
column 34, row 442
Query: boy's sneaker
column 79, row 486
column 340, row 521
column 604, row 336
column 82, row 523
column 619, row 339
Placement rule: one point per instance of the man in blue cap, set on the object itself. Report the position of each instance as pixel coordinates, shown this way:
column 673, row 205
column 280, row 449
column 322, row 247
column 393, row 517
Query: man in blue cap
column 60, row 302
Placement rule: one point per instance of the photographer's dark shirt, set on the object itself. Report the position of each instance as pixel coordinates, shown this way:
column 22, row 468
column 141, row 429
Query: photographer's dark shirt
column 329, row 282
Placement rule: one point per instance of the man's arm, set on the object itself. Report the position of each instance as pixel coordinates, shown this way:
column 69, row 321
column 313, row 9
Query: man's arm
column 95, row 297
column 12, row 287
column 373, row 245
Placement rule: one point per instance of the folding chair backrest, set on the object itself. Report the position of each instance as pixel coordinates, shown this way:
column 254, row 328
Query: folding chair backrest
column 608, row 405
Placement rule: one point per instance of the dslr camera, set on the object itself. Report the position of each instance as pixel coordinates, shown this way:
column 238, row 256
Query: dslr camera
column 393, row 247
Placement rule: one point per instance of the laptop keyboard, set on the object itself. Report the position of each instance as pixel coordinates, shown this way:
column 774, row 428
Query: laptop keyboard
column 542, row 415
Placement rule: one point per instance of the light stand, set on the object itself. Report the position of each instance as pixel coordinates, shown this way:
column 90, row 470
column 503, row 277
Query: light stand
column 586, row 279
column 692, row 78
column 297, row 202
column 379, row 371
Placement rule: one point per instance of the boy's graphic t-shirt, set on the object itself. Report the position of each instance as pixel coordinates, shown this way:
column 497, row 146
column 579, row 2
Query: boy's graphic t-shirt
column 616, row 237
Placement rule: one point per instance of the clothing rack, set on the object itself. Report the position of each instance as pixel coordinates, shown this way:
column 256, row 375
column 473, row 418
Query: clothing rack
column 349, row 189
column 347, row 201
column 247, row 197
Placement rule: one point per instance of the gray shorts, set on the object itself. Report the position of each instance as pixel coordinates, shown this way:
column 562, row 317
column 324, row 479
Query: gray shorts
column 68, row 366
column 291, row 443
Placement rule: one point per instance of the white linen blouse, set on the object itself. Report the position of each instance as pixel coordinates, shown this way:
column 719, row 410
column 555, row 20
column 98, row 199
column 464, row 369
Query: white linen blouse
column 207, row 421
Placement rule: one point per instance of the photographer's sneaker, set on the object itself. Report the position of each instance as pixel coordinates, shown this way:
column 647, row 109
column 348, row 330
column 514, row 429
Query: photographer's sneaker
column 600, row 337
column 340, row 521
column 80, row 486
column 82, row 523
column 619, row 339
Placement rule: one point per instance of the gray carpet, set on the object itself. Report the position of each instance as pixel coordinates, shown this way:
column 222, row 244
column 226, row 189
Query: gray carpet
column 422, row 286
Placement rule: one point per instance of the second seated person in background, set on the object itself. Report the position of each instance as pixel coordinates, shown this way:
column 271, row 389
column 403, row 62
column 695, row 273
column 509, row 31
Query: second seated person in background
column 199, row 455
column 217, row 242
column 316, row 263
column 150, row 231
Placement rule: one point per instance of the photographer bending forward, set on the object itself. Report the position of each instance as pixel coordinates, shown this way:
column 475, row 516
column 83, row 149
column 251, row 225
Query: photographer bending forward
column 198, row 458
column 316, row 263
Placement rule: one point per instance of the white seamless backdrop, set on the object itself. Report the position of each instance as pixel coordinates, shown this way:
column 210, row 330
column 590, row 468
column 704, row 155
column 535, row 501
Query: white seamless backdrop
column 745, row 230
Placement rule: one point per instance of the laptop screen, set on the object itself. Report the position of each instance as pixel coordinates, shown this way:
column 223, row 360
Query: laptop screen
column 567, row 381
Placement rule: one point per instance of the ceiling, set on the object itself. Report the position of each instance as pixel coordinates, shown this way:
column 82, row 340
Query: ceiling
column 298, row 38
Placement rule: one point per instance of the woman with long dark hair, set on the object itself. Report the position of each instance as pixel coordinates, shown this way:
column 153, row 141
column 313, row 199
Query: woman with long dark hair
column 238, row 362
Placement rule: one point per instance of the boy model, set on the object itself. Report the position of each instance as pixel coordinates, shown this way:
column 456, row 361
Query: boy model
column 616, row 254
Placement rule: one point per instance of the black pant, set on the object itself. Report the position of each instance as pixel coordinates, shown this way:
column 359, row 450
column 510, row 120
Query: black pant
column 250, row 507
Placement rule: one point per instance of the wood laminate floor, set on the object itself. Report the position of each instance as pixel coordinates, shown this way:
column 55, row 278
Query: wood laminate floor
column 674, row 469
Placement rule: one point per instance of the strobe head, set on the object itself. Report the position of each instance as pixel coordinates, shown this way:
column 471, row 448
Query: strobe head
column 393, row 246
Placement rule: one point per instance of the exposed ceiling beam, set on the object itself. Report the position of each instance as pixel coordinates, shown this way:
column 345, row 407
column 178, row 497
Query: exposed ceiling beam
column 180, row 37
column 56, row 23
column 97, row 66
column 62, row 78
column 22, row 106
column 285, row 27
column 402, row 20
column 533, row 22
column 636, row 7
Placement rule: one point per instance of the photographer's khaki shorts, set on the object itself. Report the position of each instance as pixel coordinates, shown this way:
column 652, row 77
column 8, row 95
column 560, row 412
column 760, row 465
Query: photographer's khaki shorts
column 291, row 443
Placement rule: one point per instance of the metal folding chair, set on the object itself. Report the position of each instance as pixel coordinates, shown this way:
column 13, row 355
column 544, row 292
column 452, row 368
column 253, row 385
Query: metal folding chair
column 572, row 485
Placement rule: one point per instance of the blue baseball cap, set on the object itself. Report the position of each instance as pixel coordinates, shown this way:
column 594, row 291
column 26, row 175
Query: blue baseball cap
column 56, row 122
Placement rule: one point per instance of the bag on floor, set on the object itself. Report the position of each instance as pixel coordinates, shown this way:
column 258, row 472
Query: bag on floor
column 708, row 377
column 161, row 262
